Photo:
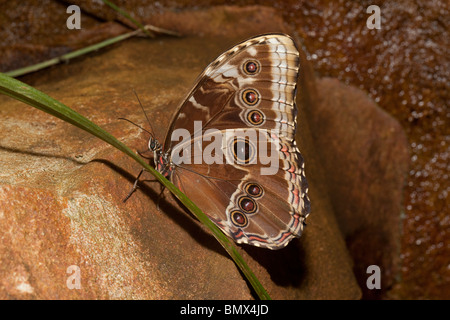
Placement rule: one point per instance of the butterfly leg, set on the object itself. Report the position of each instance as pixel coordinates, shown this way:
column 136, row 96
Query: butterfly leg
column 143, row 152
column 161, row 194
column 135, row 185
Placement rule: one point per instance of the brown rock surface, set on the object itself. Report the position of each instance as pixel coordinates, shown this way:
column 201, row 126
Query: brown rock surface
column 62, row 192
column 61, row 189
column 365, row 156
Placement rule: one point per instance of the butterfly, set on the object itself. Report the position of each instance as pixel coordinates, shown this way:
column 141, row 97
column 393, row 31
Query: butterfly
column 230, row 146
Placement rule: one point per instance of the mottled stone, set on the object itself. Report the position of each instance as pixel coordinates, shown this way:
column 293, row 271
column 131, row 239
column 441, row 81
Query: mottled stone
column 61, row 192
column 363, row 154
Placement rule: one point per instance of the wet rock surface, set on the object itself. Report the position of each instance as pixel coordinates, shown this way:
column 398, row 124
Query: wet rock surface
column 134, row 250
column 364, row 153
column 416, row 101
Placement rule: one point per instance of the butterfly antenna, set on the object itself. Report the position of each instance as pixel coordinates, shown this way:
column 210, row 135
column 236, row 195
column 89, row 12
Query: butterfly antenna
column 151, row 134
column 145, row 113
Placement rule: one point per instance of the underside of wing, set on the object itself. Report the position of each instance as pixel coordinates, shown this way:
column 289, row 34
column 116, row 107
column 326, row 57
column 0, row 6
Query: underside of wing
column 256, row 197
column 252, row 85
column 232, row 143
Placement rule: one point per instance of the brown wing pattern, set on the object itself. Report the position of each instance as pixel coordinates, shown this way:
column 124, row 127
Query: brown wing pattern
column 265, row 210
column 250, row 87
column 219, row 100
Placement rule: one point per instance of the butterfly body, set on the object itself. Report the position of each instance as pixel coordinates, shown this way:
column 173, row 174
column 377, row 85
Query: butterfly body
column 231, row 148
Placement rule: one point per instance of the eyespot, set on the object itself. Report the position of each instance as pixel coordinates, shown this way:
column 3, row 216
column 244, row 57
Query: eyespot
column 243, row 150
column 239, row 219
column 247, row 204
column 255, row 117
column 251, row 67
column 250, row 97
column 254, row 190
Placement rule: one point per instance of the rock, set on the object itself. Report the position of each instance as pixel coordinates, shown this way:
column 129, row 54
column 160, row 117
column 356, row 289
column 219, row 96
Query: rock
column 61, row 192
column 364, row 156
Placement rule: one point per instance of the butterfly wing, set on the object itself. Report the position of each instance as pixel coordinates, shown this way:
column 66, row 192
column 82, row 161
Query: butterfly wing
column 227, row 95
column 248, row 90
column 262, row 204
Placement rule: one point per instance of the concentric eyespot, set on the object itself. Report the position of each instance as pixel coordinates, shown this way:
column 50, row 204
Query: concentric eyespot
column 243, row 150
column 239, row 219
column 255, row 117
column 254, row 190
column 251, row 67
column 247, row 204
column 250, row 97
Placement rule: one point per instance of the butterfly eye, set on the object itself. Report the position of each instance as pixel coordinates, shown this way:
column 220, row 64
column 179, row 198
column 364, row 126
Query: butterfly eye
column 247, row 204
column 152, row 144
column 255, row 117
column 251, row 67
column 254, row 190
column 239, row 219
column 250, row 97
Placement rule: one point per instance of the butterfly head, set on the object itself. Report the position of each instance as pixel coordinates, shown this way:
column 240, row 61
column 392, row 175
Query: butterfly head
column 154, row 145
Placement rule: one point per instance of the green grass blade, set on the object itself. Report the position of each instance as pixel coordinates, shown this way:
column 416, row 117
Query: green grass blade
column 66, row 57
column 27, row 94
column 77, row 53
column 126, row 15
